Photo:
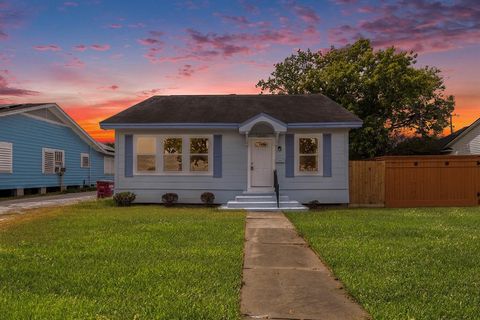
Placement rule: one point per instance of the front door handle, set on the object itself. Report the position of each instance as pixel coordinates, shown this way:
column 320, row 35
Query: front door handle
column 251, row 166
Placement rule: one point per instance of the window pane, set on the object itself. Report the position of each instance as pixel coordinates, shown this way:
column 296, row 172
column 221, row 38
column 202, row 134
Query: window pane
column 308, row 145
column 172, row 163
column 198, row 145
column 308, row 163
column 198, row 163
column 145, row 163
column 146, row 145
column 172, row 146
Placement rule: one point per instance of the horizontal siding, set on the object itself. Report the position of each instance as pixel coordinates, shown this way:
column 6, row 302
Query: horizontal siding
column 468, row 144
column 148, row 188
column 29, row 136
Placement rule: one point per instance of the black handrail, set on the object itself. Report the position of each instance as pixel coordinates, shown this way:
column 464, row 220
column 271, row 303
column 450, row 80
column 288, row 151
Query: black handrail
column 277, row 187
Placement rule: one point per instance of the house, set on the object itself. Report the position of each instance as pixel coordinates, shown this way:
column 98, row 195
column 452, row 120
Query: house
column 465, row 141
column 230, row 145
column 43, row 149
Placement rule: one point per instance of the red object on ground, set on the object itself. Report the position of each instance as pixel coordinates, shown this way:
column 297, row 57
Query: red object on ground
column 104, row 189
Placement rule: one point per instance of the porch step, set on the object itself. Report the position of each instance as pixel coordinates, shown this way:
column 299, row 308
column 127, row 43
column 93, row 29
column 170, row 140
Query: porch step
column 259, row 198
column 263, row 202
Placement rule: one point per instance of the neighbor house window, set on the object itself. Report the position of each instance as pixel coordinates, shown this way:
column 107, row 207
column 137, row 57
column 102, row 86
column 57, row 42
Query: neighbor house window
column 146, row 154
column 6, row 157
column 108, row 165
column 172, row 154
column 84, row 160
column 53, row 160
column 308, row 160
column 199, row 154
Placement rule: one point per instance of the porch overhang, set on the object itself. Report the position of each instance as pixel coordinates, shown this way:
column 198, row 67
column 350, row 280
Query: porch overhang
column 277, row 125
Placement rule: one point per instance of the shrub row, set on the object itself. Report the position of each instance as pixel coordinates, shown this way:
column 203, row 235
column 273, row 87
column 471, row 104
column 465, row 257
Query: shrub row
column 124, row 199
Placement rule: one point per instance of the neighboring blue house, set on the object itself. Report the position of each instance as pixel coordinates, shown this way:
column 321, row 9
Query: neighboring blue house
column 43, row 149
column 235, row 146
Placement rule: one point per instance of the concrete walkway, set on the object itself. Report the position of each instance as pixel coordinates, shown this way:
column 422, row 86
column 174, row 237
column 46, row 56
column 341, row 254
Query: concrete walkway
column 19, row 205
column 284, row 279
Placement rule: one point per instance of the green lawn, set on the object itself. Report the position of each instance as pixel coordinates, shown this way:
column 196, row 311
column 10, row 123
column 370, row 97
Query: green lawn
column 95, row 261
column 402, row 263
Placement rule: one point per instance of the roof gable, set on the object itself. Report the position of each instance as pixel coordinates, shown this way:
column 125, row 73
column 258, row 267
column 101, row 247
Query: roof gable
column 452, row 138
column 53, row 113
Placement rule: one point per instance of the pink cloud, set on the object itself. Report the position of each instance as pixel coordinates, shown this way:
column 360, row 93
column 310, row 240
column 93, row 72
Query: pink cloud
column 188, row 70
column 70, row 4
column 149, row 41
column 6, row 90
column 419, row 25
column 150, row 92
column 100, row 47
column 156, row 34
column 307, row 14
column 80, row 47
column 113, row 87
column 115, row 26
column 242, row 21
column 48, row 47
column 75, row 62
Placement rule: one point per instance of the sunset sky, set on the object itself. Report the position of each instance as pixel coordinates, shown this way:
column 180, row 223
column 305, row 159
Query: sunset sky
column 97, row 57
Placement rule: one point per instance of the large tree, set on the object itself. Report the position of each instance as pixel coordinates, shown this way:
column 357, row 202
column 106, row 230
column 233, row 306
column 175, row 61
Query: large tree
column 382, row 87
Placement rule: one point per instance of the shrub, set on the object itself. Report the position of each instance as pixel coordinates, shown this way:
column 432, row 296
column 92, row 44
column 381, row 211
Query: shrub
column 124, row 199
column 314, row 204
column 169, row 199
column 208, row 198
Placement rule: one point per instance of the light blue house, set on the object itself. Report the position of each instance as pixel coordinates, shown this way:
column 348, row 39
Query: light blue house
column 43, row 149
column 241, row 148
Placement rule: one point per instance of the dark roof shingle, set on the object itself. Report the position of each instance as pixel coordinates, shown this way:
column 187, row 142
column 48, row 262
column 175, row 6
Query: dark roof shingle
column 311, row 108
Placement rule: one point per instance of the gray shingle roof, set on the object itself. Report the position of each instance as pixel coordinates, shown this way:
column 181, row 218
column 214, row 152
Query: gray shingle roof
column 4, row 108
column 313, row 108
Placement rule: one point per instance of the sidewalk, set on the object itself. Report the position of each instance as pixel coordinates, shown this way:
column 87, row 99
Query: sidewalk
column 18, row 205
column 284, row 279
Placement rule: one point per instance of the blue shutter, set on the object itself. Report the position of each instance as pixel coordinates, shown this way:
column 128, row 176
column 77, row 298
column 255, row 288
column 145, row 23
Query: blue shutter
column 327, row 155
column 289, row 156
column 128, row 155
column 217, row 156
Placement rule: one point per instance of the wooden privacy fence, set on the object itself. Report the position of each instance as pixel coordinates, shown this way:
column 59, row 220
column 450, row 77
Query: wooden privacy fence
column 411, row 181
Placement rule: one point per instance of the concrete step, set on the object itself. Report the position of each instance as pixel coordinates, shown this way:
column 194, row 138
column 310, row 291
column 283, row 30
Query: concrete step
column 259, row 198
column 262, row 204
column 267, row 209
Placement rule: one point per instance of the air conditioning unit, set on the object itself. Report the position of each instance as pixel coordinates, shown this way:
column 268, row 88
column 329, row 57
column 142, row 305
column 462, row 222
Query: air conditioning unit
column 60, row 170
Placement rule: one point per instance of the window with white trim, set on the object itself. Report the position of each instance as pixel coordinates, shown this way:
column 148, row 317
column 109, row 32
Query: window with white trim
column 84, row 160
column 199, row 148
column 6, row 157
column 308, row 160
column 172, row 154
column 53, row 160
column 146, row 151
column 108, row 165
column 175, row 154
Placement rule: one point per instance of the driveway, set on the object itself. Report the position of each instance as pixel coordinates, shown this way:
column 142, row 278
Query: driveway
column 284, row 279
column 19, row 205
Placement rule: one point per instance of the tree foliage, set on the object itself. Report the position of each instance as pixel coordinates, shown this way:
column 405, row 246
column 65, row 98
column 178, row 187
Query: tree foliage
column 382, row 87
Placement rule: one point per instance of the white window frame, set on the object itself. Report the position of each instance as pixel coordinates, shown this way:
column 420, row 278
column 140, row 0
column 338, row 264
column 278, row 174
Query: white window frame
column 135, row 154
column 105, row 166
column 319, row 154
column 185, row 155
column 84, row 155
column 53, row 151
column 8, row 151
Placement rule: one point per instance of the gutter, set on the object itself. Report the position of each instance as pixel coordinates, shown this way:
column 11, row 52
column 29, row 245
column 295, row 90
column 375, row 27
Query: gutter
column 294, row 125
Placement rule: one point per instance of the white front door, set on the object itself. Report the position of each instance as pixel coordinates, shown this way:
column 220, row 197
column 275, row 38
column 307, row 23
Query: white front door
column 261, row 162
